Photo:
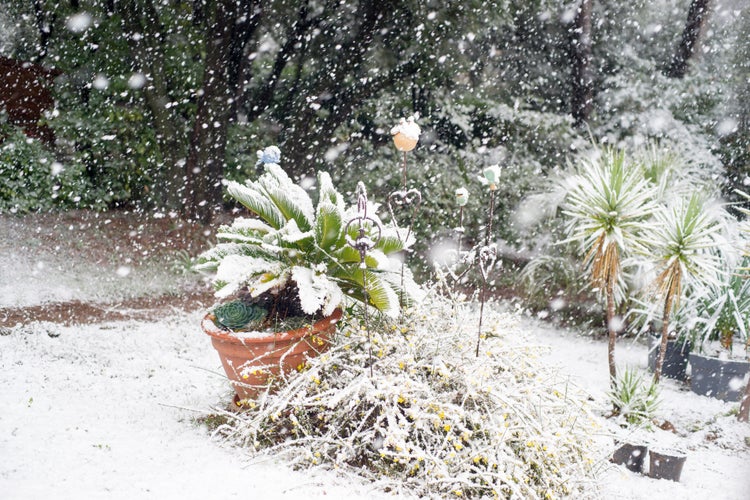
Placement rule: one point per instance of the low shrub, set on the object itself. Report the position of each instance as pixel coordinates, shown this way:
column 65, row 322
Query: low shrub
column 433, row 419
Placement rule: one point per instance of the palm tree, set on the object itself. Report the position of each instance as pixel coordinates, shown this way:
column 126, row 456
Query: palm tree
column 607, row 208
column 685, row 241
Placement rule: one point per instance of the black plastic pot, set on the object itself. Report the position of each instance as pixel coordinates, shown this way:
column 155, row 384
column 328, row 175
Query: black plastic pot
column 631, row 456
column 666, row 464
column 675, row 359
column 717, row 378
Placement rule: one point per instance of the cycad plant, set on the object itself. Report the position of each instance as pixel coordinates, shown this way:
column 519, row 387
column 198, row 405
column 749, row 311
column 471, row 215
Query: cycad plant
column 607, row 208
column 685, row 241
column 291, row 244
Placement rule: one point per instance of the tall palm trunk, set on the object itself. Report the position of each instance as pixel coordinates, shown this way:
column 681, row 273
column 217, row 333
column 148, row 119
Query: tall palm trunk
column 612, row 332
column 664, row 337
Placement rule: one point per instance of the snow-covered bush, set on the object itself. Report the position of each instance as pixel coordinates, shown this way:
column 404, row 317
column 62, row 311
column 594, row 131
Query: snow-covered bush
column 30, row 177
column 295, row 245
column 433, row 419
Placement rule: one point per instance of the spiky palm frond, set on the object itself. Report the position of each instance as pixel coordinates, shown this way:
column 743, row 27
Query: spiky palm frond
column 685, row 242
column 607, row 209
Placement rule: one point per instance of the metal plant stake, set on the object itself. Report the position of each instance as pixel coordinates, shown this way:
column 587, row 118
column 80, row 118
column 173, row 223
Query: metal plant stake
column 404, row 199
column 486, row 261
column 405, row 137
column 364, row 243
column 488, row 252
column 462, row 198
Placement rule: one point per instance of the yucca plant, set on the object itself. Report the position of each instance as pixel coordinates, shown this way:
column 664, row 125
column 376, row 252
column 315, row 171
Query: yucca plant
column 685, row 242
column 607, row 209
column 723, row 307
column 293, row 244
column 634, row 399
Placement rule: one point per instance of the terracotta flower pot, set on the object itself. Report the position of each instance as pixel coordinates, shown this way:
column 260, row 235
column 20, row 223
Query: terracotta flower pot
column 251, row 359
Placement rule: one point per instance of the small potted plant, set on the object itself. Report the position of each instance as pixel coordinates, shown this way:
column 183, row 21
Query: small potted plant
column 635, row 404
column 723, row 319
column 283, row 273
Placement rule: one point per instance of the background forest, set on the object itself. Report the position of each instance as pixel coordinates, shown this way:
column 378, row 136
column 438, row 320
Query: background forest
column 156, row 101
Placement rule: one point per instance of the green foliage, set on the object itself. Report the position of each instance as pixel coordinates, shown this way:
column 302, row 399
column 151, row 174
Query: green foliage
column 31, row 179
column 239, row 315
column 296, row 243
column 635, row 399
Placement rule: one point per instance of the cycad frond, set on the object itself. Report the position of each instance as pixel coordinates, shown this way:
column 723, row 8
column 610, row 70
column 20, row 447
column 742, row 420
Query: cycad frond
column 290, row 199
column 328, row 225
column 256, row 202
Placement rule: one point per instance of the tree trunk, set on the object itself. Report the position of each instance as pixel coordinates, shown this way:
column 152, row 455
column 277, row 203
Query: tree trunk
column 694, row 28
column 744, row 414
column 583, row 81
column 233, row 25
column 148, row 53
column 612, row 332
column 664, row 338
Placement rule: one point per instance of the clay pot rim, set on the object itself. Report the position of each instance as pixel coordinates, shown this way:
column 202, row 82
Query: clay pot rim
column 211, row 329
column 717, row 358
column 668, row 452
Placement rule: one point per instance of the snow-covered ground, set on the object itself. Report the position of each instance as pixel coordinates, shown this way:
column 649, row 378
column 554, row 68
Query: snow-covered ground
column 109, row 410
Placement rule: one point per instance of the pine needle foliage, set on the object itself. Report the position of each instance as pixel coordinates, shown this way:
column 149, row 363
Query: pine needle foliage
column 433, row 420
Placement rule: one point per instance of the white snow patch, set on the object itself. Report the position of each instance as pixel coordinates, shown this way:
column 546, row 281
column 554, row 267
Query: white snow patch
column 78, row 23
column 137, row 81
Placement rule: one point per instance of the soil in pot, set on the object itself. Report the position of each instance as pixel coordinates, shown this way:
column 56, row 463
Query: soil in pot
column 631, row 456
column 718, row 378
column 675, row 359
column 666, row 464
column 252, row 360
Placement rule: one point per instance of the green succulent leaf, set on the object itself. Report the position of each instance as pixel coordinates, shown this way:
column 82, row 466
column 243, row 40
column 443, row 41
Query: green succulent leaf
column 238, row 315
